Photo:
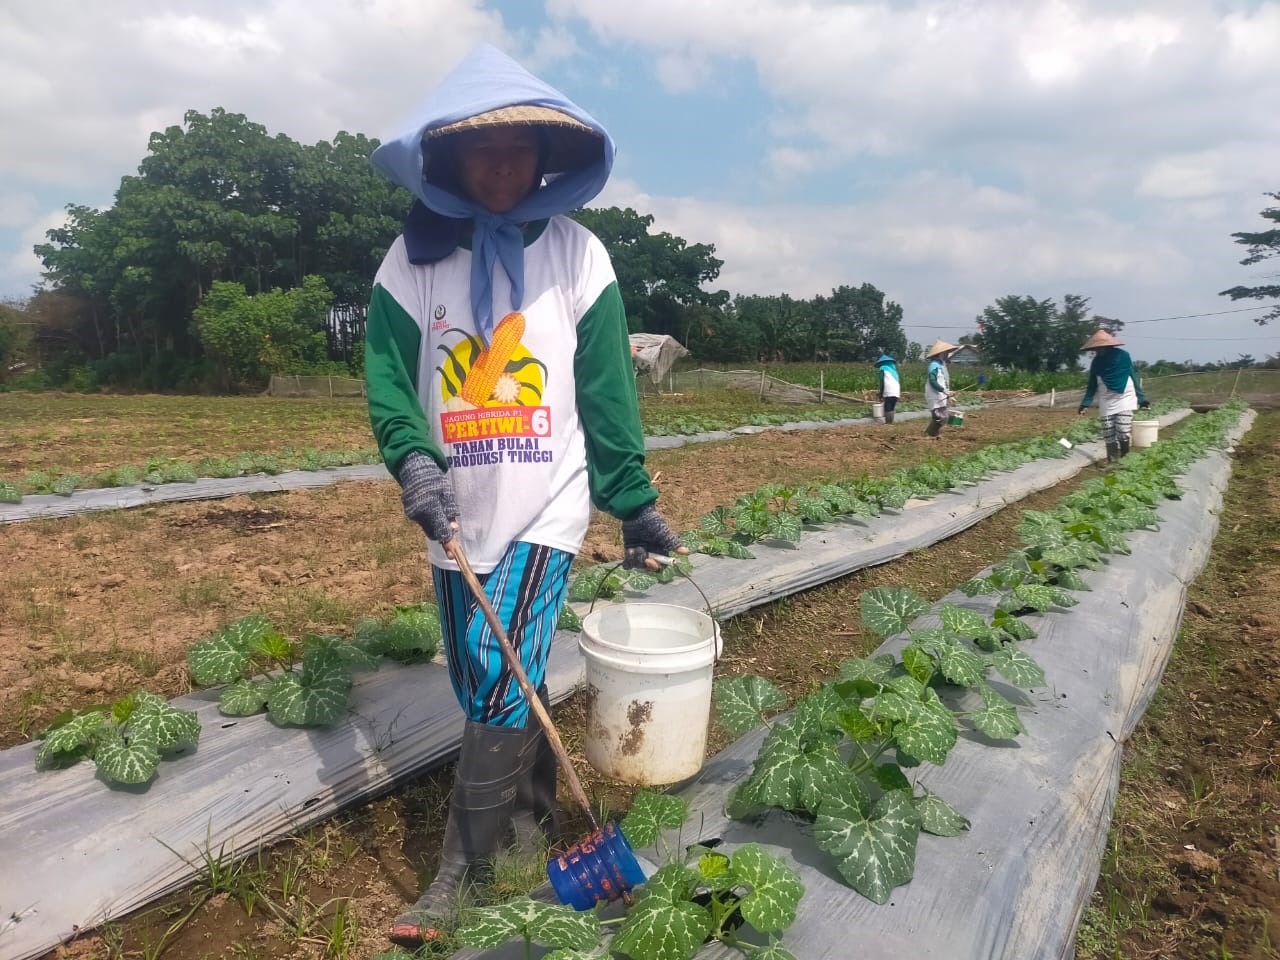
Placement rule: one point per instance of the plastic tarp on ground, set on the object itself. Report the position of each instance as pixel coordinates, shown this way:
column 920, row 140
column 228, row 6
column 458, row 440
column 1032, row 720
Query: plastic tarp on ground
column 1015, row 885
column 76, row 853
column 49, row 506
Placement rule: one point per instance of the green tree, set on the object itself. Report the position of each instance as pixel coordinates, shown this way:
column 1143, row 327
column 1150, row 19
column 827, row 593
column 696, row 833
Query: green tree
column 1029, row 334
column 1262, row 245
column 251, row 337
column 659, row 275
column 857, row 323
column 776, row 328
column 217, row 199
column 1013, row 331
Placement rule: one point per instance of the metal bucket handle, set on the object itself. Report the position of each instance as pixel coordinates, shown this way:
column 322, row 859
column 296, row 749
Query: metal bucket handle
column 717, row 641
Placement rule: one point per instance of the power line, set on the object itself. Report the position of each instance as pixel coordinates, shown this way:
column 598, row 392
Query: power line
column 1192, row 316
column 1156, row 336
column 1127, row 323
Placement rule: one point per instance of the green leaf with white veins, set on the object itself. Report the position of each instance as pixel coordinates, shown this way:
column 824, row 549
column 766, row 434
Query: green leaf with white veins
column 927, row 729
column 794, row 772
column 977, row 586
column 1034, row 595
column 545, row 923
column 775, row 888
column 309, row 700
column 126, row 762
column 650, row 814
column 962, row 622
column 874, row 670
column 1070, row 580
column 1018, row 629
column 162, row 724
column 888, row 610
column 77, row 735
column 222, row 657
column 998, row 718
column 873, row 853
column 1016, row 667
column 325, row 649
column 655, row 930
column 960, row 665
column 742, row 702
column 939, row 817
column 244, row 698
column 785, row 526
column 670, row 884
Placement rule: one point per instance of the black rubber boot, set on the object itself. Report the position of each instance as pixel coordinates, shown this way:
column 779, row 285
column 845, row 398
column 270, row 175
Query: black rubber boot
column 888, row 416
column 484, row 791
column 1124, row 448
column 1113, row 452
column 535, row 819
column 934, row 428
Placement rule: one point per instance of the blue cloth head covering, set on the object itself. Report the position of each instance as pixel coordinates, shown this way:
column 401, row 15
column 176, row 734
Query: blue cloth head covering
column 486, row 80
column 885, row 358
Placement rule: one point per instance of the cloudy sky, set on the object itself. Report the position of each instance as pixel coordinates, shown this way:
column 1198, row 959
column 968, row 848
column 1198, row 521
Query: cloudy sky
column 947, row 152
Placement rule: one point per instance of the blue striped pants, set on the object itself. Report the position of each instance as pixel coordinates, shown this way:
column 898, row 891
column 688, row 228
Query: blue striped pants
column 526, row 589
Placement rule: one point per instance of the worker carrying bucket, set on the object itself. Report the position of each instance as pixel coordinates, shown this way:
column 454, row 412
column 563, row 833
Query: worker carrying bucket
column 937, row 386
column 1119, row 391
column 501, row 395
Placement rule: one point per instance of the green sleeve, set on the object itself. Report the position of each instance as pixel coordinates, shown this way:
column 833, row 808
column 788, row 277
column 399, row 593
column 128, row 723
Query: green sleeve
column 391, row 344
column 933, row 377
column 1091, row 389
column 610, row 413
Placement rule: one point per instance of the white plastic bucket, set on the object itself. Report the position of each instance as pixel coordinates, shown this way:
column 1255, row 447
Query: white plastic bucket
column 649, row 671
column 1145, row 432
column 877, row 411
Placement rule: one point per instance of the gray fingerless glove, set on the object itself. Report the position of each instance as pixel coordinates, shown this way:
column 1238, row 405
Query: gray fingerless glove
column 427, row 496
column 645, row 533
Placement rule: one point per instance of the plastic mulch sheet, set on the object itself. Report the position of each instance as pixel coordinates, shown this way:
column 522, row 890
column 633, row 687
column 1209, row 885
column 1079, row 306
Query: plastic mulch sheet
column 76, row 852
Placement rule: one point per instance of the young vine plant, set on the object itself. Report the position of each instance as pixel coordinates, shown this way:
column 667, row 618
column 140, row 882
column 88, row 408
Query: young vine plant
column 742, row 899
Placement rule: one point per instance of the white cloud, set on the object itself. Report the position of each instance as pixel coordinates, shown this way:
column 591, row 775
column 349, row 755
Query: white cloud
column 19, row 270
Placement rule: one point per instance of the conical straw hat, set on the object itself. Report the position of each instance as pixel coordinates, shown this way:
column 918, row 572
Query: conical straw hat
column 1101, row 339
column 940, row 346
column 573, row 144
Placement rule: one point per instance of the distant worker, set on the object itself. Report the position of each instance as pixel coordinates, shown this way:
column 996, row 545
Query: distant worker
column 890, row 385
column 937, row 385
column 1112, row 377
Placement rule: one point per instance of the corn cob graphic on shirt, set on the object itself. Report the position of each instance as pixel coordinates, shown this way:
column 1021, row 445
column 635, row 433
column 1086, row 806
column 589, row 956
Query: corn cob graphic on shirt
column 533, row 422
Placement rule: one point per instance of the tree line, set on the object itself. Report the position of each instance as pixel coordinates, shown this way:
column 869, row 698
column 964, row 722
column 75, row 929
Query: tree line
column 232, row 254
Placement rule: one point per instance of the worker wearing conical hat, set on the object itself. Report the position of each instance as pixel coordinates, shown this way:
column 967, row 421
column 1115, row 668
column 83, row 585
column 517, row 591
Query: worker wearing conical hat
column 890, row 385
column 502, row 398
column 937, row 386
column 1113, row 380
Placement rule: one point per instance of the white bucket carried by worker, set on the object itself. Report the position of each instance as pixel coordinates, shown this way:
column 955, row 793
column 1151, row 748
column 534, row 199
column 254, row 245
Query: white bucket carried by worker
column 877, row 411
column 1145, row 433
column 649, row 672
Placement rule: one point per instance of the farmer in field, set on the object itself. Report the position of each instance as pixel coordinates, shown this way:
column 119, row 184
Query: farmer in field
column 937, row 385
column 890, row 385
column 1112, row 378
column 502, row 398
